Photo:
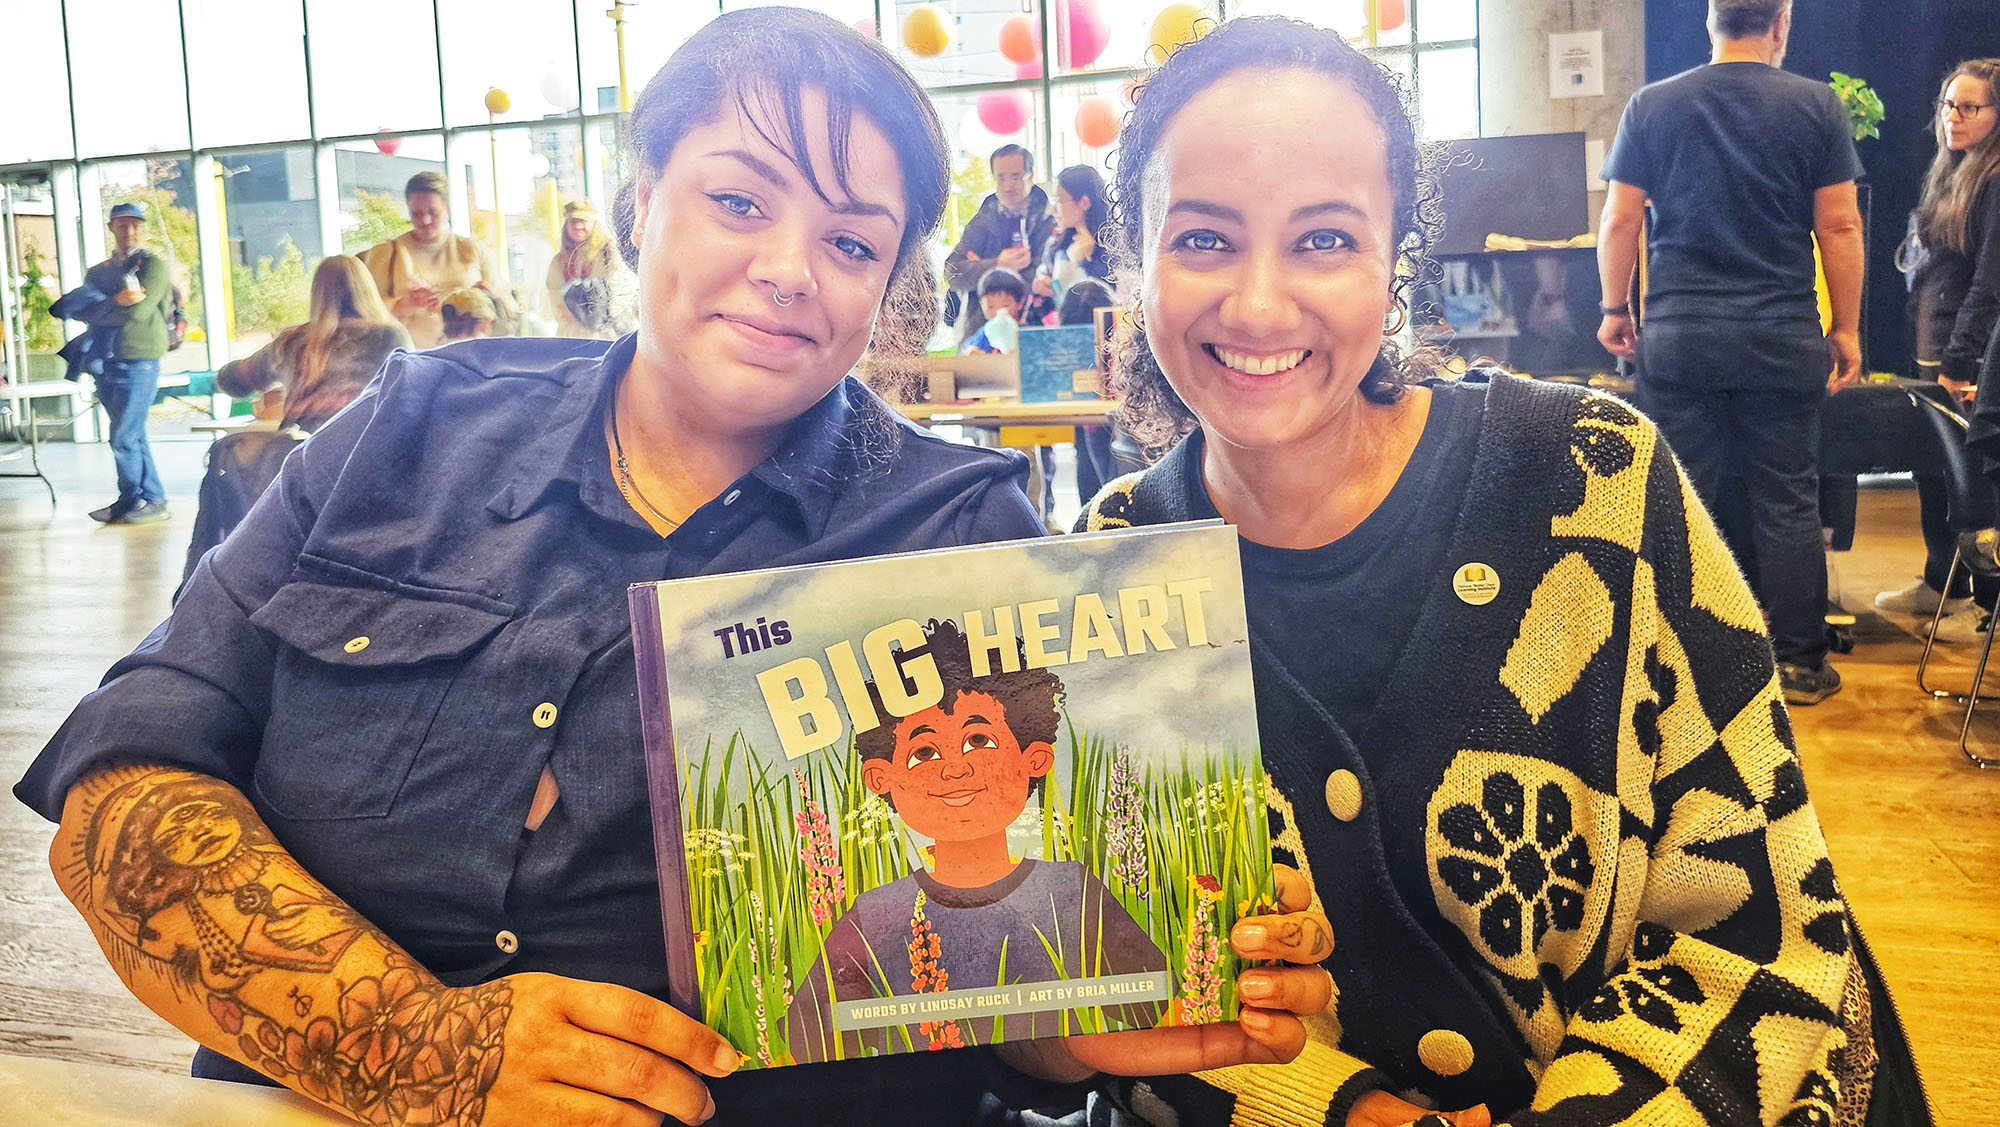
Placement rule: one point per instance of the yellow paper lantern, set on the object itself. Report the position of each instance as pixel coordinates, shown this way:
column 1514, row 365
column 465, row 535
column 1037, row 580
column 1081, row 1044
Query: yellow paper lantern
column 927, row 31
column 497, row 101
column 1177, row 24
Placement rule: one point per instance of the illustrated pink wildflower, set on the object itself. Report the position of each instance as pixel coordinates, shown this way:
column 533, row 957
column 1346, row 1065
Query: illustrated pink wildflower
column 927, row 977
column 1124, row 829
column 826, row 884
column 1201, row 986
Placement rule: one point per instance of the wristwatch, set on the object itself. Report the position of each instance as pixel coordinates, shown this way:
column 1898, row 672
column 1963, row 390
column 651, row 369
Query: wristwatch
column 1624, row 310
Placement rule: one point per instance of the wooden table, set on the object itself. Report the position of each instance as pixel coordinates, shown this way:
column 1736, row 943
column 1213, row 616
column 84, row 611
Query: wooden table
column 39, row 1090
column 1021, row 426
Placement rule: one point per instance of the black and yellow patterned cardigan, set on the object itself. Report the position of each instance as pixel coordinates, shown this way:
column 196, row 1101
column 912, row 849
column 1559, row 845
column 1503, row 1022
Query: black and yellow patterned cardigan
column 1594, row 892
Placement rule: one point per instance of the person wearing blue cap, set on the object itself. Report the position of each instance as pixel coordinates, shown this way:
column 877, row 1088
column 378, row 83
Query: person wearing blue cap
column 141, row 297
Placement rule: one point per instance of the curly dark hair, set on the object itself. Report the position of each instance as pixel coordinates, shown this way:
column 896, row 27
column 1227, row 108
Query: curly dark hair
column 761, row 60
column 1151, row 411
column 1031, row 698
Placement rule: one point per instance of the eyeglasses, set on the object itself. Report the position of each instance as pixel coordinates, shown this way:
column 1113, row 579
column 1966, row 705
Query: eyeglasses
column 1966, row 110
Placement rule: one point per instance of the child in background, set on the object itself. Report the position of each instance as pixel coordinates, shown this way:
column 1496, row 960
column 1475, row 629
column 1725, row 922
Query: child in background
column 1002, row 294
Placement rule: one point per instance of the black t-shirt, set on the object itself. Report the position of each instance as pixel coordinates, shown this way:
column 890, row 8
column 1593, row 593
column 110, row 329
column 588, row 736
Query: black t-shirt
column 1730, row 156
column 1339, row 616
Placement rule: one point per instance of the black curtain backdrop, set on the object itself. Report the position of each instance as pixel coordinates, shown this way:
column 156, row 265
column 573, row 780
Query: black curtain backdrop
column 1903, row 48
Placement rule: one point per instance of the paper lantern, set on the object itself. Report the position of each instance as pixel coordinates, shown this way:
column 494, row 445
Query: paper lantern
column 497, row 101
column 1032, row 69
column 1175, row 25
column 1129, row 90
column 385, row 144
column 1391, row 14
column 1097, row 121
column 1020, row 41
column 1003, row 112
column 927, row 31
column 559, row 89
column 1086, row 33
column 866, row 27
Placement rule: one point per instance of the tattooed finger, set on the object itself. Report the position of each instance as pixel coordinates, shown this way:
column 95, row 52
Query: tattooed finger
column 1294, row 894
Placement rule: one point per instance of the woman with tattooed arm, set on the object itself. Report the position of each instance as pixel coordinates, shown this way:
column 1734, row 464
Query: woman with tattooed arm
column 367, row 816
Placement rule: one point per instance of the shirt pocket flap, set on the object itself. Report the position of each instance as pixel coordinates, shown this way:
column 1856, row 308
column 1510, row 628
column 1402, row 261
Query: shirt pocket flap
column 363, row 627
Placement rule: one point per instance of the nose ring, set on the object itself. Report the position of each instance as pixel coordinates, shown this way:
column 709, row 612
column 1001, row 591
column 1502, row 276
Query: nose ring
column 779, row 297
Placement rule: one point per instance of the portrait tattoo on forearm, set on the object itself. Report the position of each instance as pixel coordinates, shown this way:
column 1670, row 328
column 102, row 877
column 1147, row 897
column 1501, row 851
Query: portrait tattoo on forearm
column 183, row 882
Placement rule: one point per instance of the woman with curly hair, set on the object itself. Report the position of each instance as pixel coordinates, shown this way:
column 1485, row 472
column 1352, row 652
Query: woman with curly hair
column 1530, row 758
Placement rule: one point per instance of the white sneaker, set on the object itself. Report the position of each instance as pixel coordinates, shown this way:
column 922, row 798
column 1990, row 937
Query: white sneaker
column 1966, row 624
column 1918, row 598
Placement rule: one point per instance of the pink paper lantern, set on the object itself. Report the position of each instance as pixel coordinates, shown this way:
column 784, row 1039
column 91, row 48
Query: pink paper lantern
column 1086, row 32
column 1028, row 69
column 1391, row 14
column 865, row 27
column 387, row 145
column 1003, row 112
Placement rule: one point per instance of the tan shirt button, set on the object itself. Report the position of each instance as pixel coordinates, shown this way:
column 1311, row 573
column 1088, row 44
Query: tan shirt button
column 508, row 942
column 356, row 645
column 545, row 714
column 1343, row 795
column 1445, row 1052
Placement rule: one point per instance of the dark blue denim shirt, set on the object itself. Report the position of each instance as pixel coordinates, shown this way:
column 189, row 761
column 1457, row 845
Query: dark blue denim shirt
column 462, row 517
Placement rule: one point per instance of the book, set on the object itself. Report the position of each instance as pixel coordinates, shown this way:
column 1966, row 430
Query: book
column 957, row 797
column 1059, row 364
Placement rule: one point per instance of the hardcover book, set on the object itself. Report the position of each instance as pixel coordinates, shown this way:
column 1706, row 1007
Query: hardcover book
column 957, row 797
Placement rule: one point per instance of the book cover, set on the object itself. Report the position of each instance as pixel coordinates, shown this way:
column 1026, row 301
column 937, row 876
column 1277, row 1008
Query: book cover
column 951, row 798
column 1059, row 364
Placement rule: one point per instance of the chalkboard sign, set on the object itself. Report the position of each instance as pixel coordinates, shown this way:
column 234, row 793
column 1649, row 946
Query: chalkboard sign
column 1051, row 359
column 1533, row 187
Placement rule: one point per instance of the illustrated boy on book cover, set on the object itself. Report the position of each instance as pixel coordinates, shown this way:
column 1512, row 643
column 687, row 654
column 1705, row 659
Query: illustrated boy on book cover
column 961, row 772
column 954, row 798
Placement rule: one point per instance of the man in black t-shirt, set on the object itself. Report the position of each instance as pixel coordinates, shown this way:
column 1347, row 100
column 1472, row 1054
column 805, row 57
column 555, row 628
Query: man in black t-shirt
column 1743, row 166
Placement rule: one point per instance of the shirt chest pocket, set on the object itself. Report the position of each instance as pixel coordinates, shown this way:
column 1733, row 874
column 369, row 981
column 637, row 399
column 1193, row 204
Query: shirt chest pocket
column 361, row 674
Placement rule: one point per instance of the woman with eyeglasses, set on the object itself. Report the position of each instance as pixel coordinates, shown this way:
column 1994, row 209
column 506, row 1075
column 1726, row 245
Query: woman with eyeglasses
column 1955, row 301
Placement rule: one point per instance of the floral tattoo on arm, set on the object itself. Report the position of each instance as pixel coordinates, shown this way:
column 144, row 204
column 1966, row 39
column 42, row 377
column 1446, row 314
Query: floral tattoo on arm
column 183, row 883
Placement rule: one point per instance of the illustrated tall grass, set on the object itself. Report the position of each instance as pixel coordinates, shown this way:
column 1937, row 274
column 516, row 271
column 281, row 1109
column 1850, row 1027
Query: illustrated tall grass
column 1148, row 826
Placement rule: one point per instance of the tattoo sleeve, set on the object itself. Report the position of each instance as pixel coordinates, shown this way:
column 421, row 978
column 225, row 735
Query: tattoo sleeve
column 218, row 929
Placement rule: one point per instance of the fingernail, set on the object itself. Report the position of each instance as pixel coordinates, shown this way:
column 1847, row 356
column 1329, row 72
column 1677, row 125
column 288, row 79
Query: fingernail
column 1251, row 935
column 1254, row 986
column 726, row 1059
column 1257, row 1021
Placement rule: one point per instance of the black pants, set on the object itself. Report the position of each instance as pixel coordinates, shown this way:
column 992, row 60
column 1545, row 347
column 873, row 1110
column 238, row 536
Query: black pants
column 1941, row 527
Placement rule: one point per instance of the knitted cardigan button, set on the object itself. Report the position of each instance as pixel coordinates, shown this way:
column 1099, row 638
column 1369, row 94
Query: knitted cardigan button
column 1343, row 795
column 1445, row 1052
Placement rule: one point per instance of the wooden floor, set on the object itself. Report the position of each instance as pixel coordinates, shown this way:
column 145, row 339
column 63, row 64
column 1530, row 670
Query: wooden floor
column 1915, row 830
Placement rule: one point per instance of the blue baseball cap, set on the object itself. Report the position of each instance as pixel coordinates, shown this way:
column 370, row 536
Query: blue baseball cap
column 127, row 211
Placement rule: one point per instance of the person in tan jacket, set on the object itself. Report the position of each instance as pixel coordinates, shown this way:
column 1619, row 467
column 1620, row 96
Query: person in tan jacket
column 414, row 270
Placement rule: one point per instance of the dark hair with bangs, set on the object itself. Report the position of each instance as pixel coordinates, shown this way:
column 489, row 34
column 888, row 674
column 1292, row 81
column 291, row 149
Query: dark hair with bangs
column 1151, row 411
column 761, row 60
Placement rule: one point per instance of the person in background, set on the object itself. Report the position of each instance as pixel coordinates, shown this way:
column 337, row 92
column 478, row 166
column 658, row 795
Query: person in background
column 140, row 288
column 402, row 691
column 1008, row 231
column 1746, row 169
column 1002, row 296
column 1529, row 759
column 467, row 313
column 322, row 365
column 1094, row 463
column 1074, row 252
column 414, row 270
column 586, row 278
column 1955, row 303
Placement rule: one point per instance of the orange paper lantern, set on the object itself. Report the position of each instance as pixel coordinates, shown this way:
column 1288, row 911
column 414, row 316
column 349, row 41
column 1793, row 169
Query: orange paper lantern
column 1391, row 14
column 1018, row 39
column 1097, row 121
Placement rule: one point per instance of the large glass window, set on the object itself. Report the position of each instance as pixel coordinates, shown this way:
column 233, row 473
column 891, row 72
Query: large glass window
column 524, row 48
column 38, row 126
column 538, row 169
column 167, row 189
column 271, row 214
column 246, row 63
column 131, row 89
column 652, row 31
column 370, row 176
column 374, row 66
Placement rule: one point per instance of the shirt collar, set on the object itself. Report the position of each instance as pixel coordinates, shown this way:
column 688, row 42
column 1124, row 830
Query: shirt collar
column 805, row 470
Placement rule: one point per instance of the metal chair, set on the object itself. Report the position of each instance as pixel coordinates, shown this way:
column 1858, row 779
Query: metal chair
column 1971, row 498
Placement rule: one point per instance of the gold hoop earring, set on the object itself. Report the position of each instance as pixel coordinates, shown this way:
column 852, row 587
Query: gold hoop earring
column 1402, row 318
